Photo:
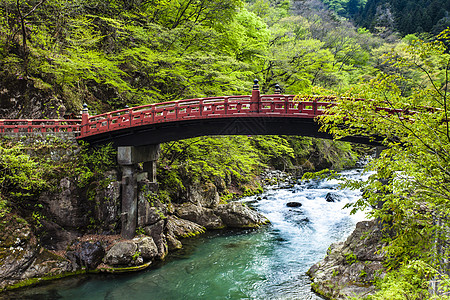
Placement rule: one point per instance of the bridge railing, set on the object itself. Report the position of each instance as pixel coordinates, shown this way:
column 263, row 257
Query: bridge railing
column 293, row 105
column 226, row 106
column 39, row 125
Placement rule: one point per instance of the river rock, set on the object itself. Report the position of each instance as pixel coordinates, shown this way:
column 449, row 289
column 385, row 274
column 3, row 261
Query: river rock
column 293, row 204
column 173, row 243
column 86, row 254
column 156, row 231
column 332, row 197
column 350, row 267
column 183, row 228
column 200, row 215
column 147, row 247
column 122, row 253
column 91, row 254
column 47, row 264
column 237, row 215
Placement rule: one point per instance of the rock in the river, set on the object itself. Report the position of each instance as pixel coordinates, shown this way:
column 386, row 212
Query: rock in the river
column 121, row 253
column 293, row 204
column 173, row 243
column 200, row 215
column 332, row 197
column 351, row 266
column 183, row 228
column 147, row 247
column 237, row 215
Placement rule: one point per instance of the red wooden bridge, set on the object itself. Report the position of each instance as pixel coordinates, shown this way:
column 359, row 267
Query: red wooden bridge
column 253, row 114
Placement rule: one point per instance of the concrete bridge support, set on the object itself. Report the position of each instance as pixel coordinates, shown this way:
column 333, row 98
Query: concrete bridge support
column 128, row 158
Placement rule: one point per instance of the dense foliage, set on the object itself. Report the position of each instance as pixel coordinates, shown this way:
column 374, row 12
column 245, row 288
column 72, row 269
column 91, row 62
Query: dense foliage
column 409, row 190
column 28, row 168
column 386, row 17
column 407, row 16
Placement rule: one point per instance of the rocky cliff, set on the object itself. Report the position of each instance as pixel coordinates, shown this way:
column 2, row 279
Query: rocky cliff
column 351, row 266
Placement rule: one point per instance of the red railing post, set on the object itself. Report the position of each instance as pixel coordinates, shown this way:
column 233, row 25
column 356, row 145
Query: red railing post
column 84, row 120
column 315, row 106
column 108, row 120
column 225, row 106
column 255, row 101
column 130, row 117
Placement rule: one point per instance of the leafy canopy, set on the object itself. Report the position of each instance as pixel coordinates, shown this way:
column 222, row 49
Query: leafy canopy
column 410, row 189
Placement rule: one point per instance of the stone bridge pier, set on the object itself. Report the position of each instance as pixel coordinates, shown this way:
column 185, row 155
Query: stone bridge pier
column 128, row 158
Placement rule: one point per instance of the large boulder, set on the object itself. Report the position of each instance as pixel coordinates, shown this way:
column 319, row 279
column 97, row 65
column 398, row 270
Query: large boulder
column 156, row 231
column 181, row 228
column 200, row 215
column 147, row 247
column 203, row 194
column 122, row 253
column 21, row 258
column 351, row 266
column 18, row 249
column 150, row 208
column 47, row 264
column 54, row 237
column 87, row 254
column 237, row 215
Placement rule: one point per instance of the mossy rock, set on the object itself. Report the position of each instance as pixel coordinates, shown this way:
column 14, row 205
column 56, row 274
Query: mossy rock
column 122, row 269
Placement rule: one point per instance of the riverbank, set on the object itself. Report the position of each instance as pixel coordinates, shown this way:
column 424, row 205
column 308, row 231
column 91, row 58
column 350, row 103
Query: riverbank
column 268, row 262
column 25, row 262
column 70, row 223
column 351, row 266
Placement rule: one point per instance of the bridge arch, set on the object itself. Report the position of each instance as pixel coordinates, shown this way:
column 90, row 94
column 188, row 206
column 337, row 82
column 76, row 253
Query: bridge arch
column 253, row 114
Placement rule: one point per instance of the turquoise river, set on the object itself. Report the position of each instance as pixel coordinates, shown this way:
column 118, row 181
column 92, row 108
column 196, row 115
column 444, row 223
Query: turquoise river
column 267, row 263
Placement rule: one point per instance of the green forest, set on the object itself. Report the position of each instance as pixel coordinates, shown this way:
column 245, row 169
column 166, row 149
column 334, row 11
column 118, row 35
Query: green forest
column 113, row 53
